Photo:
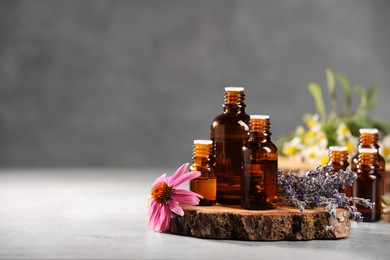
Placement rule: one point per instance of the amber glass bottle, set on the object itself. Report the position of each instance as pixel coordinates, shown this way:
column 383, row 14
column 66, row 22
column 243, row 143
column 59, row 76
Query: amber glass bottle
column 338, row 160
column 369, row 139
column 260, row 156
column 368, row 183
column 229, row 133
column 206, row 183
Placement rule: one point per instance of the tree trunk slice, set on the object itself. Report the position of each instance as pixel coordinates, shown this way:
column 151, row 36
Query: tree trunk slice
column 283, row 223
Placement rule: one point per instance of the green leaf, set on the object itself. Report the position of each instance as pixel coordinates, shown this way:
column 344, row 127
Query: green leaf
column 363, row 98
column 330, row 128
column 315, row 91
column 372, row 99
column 352, row 126
column 361, row 119
column 332, row 116
column 382, row 126
column 347, row 93
column 331, row 89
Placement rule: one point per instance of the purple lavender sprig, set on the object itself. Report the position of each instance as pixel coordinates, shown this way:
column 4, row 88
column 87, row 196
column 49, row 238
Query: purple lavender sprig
column 320, row 188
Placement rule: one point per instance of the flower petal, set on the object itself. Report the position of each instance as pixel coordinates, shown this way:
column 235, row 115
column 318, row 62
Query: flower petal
column 187, row 200
column 151, row 208
column 160, row 217
column 182, row 192
column 179, row 172
column 154, row 216
column 162, row 178
column 165, row 219
column 186, row 197
column 174, row 206
column 184, row 178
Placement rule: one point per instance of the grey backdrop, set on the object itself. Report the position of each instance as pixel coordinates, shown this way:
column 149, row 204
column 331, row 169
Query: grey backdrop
column 132, row 83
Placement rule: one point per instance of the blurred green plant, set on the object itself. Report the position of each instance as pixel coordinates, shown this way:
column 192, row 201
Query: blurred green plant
column 360, row 118
column 338, row 125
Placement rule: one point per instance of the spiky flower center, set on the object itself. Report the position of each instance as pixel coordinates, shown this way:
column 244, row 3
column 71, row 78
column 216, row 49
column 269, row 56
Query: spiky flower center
column 161, row 192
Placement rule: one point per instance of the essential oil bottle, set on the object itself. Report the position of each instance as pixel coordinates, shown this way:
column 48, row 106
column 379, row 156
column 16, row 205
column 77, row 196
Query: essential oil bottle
column 229, row 132
column 338, row 160
column 368, row 183
column 203, row 161
column 260, row 156
column 369, row 139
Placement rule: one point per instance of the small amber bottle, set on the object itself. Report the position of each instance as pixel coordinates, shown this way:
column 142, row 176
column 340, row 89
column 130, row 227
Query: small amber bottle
column 368, row 184
column 229, row 132
column 206, row 183
column 260, row 156
column 338, row 160
column 369, row 139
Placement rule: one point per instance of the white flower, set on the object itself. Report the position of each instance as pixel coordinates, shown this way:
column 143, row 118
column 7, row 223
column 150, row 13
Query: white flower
column 385, row 148
column 314, row 123
column 343, row 132
column 315, row 154
column 293, row 149
column 345, row 138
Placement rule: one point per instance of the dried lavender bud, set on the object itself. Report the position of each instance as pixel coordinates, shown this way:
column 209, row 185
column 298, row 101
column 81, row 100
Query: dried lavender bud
column 320, row 188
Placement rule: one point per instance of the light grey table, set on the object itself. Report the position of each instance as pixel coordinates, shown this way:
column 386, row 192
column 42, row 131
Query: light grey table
column 101, row 214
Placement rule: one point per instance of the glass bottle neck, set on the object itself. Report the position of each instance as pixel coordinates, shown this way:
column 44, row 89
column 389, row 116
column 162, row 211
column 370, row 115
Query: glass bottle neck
column 368, row 140
column 368, row 158
column 260, row 136
column 259, row 129
column 234, row 102
column 338, row 156
column 234, row 109
column 367, row 162
column 202, row 153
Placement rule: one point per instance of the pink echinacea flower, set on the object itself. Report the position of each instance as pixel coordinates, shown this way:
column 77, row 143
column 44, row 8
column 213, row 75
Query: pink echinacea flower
column 165, row 198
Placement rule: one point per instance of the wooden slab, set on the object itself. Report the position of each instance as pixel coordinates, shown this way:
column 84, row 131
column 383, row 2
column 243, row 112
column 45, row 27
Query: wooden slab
column 284, row 223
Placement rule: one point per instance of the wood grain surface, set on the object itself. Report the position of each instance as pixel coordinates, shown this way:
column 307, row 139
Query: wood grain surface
column 283, row 223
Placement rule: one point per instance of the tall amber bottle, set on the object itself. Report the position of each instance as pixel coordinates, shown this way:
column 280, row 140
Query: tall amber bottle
column 229, row 133
column 260, row 156
column 338, row 160
column 203, row 161
column 368, row 183
column 369, row 139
